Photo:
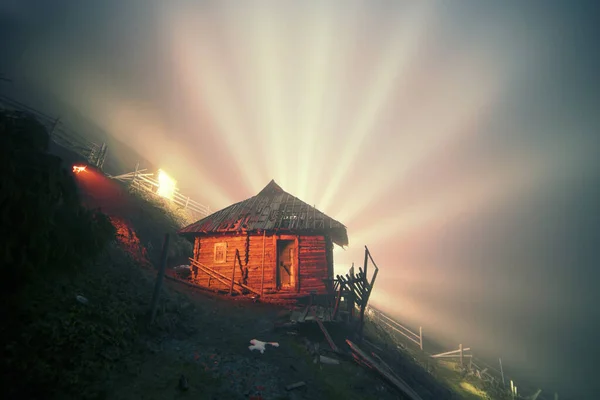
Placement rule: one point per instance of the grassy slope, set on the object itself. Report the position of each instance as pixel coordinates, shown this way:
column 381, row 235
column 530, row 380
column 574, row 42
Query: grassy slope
column 103, row 349
column 448, row 373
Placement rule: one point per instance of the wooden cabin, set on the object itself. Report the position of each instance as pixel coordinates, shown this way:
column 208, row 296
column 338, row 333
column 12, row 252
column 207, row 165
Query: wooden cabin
column 285, row 246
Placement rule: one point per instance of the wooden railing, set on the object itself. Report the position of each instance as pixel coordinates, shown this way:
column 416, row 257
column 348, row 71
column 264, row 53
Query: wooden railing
column 94, row 153
column 384, row 320
column 140, row 179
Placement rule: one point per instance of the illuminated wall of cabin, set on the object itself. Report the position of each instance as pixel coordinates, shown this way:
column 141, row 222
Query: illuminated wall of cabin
column 315, row 262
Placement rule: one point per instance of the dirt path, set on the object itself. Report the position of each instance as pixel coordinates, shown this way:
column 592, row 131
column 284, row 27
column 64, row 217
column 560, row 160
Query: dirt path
column 211, row 351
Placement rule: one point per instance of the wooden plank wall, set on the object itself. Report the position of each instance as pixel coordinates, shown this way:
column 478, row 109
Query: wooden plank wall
column 313, row 261
column 205, row 255
column 313, row 264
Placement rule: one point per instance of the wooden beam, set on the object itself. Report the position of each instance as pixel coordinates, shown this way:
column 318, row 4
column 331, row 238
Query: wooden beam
column 329, row 340
column 394, row 380
column 214, row 274
column 233, row 274
column 159, row 278
column 262, row 266
column 366, row 261
column 226, row 282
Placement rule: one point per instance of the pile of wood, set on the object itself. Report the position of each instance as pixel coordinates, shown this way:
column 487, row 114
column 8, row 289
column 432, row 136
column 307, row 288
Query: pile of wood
column 355, row 289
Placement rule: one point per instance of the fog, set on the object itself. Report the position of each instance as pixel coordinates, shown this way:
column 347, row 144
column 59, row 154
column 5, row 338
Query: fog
column 457, row 140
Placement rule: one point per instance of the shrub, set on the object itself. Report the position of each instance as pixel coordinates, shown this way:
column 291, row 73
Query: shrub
column 46, row 228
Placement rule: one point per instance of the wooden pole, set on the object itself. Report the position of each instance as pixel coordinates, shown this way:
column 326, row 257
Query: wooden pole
column 461, row 354
column 262, row 267
column 135, row 174
column 421, row 337
column 159, row 278
column 366, row 263
column 501, row 371
column 232, row 276
column 54, row 125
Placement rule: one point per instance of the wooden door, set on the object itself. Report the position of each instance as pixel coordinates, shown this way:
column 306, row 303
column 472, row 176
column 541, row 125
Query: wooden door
column 286, row 260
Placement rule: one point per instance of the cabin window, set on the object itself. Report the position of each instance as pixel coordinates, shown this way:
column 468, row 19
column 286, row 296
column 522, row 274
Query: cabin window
column 220, row 252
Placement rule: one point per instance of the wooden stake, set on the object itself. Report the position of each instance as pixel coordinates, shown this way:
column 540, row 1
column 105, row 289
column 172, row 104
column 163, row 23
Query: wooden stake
column 159, row 278
column 421, row 337
column 366, row 263
column 232, row 277
column 461, row 354
column 327, row 336
column 262, row 279
column 56, row 122
column 501, row 371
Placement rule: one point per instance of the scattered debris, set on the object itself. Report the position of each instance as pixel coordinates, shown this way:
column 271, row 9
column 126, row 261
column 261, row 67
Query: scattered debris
column 295, row 385
column 81, row 299
column 260, row 346
column 328, row 360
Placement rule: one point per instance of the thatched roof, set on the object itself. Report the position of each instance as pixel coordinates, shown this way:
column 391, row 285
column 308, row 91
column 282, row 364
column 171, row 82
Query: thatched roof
column 271, row 210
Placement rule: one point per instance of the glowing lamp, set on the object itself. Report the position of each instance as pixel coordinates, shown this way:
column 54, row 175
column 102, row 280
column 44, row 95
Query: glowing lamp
column 78, row 168
column 166, row 185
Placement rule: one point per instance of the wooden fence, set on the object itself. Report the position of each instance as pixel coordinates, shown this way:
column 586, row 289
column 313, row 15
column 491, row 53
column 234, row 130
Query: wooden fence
column 140, row 179
column 387, row 322
column 94, row 153
column 464, row 357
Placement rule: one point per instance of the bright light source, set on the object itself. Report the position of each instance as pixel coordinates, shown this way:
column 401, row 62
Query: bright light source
column 166, row 185
column 78, row 168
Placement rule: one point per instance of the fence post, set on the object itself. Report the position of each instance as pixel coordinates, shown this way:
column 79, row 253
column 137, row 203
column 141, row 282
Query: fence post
column 421, row 337
column 232, row 276
column 54, row 125
column 501, row 372
column 159, row 278
column 135, row 173
column 187, row 202
column 460, row 347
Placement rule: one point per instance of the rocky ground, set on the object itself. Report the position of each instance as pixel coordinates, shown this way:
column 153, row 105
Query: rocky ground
column 209, row 348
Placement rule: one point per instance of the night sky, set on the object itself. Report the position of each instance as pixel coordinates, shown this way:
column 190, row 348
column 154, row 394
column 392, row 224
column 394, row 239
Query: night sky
column 458, row 140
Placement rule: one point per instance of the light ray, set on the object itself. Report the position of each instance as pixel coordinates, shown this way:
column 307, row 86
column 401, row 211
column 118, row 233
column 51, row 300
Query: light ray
column 268, row 66
column 395, row 61
column 467, row 195
column 319, row 42
column 196, row 62
column 425, row 137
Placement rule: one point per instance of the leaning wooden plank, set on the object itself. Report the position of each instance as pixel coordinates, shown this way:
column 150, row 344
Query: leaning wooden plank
column 450, row 352
column 192, row 285
column 396, row 381
column 372, row 345
column 386, row 365
column 214, row 274
column 295, row 385
column 227, row 282
column 327, row 336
